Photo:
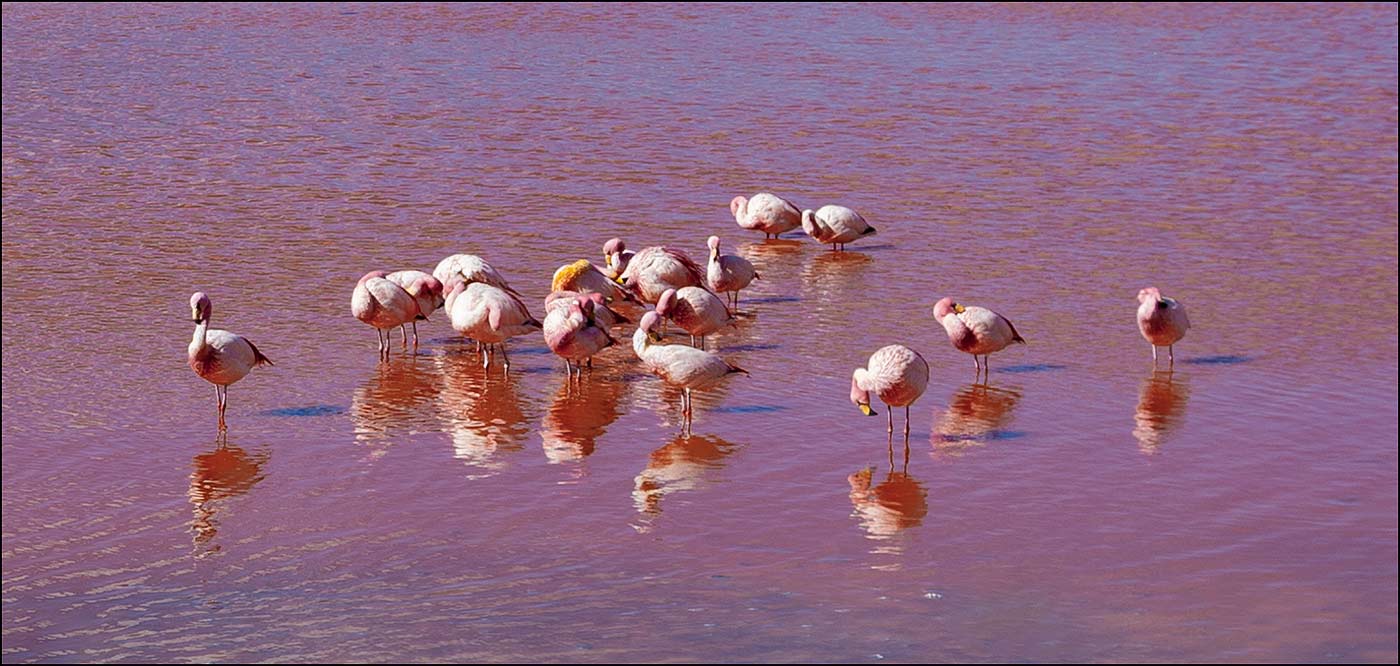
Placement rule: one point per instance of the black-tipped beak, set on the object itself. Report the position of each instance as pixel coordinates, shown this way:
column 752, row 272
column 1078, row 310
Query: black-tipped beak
column 867, row 410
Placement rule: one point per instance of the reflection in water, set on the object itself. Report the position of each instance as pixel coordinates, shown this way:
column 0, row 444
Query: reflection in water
column 480, row 411
column 394, row 400
column 976, row 414
column 580, row 414
column 1159, row 410
column 679, row 465
column 895, row 504
column 225, row 472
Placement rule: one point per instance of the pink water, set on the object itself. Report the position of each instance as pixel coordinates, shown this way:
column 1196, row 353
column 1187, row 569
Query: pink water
column 1044, row 161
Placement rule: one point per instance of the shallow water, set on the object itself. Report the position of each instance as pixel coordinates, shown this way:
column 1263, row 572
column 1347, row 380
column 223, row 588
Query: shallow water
column 1043, row 161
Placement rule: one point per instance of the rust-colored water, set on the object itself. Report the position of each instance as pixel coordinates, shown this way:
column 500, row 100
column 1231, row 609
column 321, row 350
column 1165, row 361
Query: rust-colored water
column 1044, row 161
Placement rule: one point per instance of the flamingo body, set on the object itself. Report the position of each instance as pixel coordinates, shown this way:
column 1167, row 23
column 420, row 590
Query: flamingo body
column 696, row 310
column 835, row 225
column 655, row 269
column 218, row 356
column 769, row 213
column 896, row 374
column 1161, row 320
column 975, row 330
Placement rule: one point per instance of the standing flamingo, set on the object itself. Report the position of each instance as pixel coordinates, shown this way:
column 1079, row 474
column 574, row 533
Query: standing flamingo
column 696, row 310
column 976, row 330
column 837, row 225
column 679, row 365
column 426, row 291
column 488, row 314
column 728, row 273
column 218, row 356
column 470, row 268
column 604, row 315
column 572, row 332
column 383, row 305
column 769, row 213
column 896, row 374
column 655, row 269
column 1162, row 321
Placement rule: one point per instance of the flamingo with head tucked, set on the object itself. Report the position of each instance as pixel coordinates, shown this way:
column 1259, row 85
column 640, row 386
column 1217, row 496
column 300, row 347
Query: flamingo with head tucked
column 470, row 268
column 1162, row 321
column 655, row 269
column 218, row 356
column 382, row 304
column 897, row 375
column 488, row 314
column 572, row 332
column 728, row 273
column 604, row 315
column 976, row 330
column 426, row 291
column 836, row 225
column 583, row 276
column 769, row 213
column 679, row 365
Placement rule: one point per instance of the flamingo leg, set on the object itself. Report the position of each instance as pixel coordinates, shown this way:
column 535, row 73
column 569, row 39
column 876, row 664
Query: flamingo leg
column 1171, row 355
column 906, row 425
column 403, row 330
column 1154, row 356
column 505, row 356
column 889, row 412
column 222, row 393
column 415, row 336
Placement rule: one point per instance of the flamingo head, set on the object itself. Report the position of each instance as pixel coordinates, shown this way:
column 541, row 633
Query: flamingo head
column 713, row 242
column 1149, row 293
column 737, row 204
column 614, row 246
column 648, row 326
column 666, row 302
column 809, row 224
column 585, row 305
column 943, row 307
column 455, row 285
column 371, row 275
column 859, row 396
column 200, row 307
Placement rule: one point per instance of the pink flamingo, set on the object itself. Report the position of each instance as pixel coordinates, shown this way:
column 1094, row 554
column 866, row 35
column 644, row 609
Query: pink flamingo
column 488, row 314
column 1162, row 321
column 696, row 310
column 218, row 356
column 837, row 225
column 896, row 374
column 383, row 305
column 605, row 316
column 976, row 330
column 572, row 332
column 583, row 276
column 728, row 273
column 769, row 213
column 470, row 268
column 426, row 291
column 616, row 257
column 679, row 365
column 655, row 269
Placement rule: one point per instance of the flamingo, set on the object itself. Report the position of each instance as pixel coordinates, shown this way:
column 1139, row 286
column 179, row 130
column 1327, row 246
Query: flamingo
column 679, row 365
column 426, row 291
column 616, row 257
column 383, row 305
column 728, row 273
column 976, row 330
column 655, row 269
column 769, row 213
column 837, row 225
column 470, row 268
column 583, row 276
column 572, row 332
column 696, row 310
column 218, row 356
column 488, row 314
column 896, row 374
column 1162, row 321
column 606, row 316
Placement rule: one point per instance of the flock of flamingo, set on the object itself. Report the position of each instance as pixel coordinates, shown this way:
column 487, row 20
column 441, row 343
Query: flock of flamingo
column 579, row 317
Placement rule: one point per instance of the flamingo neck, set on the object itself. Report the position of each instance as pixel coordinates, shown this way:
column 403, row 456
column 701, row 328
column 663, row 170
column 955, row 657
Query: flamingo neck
column 201, row 335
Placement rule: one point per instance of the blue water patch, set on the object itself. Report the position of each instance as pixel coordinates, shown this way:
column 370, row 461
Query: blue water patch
column 744, row 348
column 314, row 410
column 743, row 300
column 748, row 409
column 1228, row 359
column 1035, row 367
column 993, row 436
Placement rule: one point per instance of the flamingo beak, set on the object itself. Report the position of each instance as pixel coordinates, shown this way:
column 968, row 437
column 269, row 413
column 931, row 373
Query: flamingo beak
column 959, row 309
column 866, row 410
column 653, row 336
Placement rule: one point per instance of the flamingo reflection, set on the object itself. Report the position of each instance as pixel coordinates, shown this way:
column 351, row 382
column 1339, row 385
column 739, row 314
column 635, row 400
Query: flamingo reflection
column 895, row 504
column 1159, row 410
column 223, row 473
column 682, row 464
column 976, row 414
column 480, row 412
column 580, row 414
column 394, row 401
